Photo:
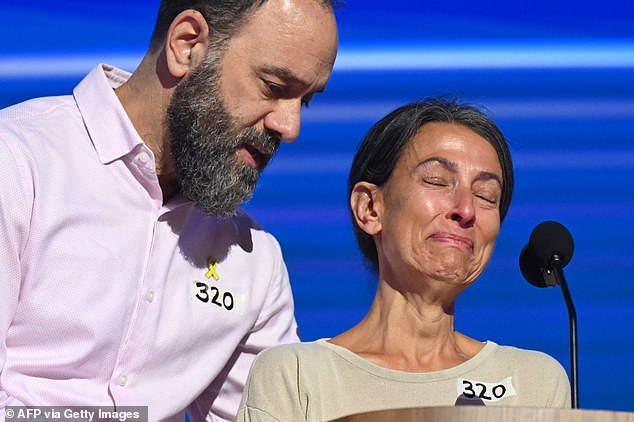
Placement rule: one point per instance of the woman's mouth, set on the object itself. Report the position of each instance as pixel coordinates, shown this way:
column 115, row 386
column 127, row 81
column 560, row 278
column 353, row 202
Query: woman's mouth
column 460, row 241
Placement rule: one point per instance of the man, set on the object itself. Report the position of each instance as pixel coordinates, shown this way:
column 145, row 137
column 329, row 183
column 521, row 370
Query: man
column 130, row 277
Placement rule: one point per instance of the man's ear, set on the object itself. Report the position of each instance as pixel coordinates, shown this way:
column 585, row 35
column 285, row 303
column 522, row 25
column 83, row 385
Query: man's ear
column 186, row 42
column 366, row 205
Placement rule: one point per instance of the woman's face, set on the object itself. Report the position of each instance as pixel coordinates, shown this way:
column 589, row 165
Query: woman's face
column 440, row 208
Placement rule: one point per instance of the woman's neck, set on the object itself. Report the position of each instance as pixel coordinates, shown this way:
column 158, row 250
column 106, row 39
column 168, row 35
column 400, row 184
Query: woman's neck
column 409, row 332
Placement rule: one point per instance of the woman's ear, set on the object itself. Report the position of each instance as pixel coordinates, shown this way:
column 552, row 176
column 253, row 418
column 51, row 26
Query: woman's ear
column 366, row 205
column 186, row 43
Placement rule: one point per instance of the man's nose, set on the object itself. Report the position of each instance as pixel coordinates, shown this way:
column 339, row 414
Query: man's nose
column 284, row 120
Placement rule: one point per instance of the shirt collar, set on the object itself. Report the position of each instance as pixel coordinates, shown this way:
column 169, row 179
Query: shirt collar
column 107, row 123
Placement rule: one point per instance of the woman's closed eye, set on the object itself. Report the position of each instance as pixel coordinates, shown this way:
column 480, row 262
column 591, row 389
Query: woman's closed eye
column 489, row 192
column 487, row 197
column 436, row 181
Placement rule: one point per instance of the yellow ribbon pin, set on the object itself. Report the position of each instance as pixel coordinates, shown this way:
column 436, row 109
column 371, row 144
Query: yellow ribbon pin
column 212, row 263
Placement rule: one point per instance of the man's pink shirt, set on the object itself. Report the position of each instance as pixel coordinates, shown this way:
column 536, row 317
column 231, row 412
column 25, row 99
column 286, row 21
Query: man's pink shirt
column 110, row 297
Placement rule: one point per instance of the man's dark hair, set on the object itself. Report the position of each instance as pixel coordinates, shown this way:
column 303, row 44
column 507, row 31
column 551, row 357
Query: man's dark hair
column 382, row 146
column 224, row 17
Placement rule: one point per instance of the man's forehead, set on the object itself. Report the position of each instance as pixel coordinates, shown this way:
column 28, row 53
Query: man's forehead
column 295, row 44
column 291, row 11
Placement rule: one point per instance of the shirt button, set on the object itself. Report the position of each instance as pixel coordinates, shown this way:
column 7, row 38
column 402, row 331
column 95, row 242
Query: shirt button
column 123, row 380
column 149, row 296
column 144, row 157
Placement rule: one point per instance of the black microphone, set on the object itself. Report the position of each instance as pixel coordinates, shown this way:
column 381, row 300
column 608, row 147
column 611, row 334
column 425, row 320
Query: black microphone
column 548, row 251
column 550, row 241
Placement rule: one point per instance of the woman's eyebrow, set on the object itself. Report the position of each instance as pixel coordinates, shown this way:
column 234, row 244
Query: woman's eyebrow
column 449, row 165
column 452, row 166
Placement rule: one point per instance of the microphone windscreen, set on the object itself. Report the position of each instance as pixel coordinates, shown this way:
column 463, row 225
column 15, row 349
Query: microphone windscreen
column 530, row 268
column 463, row 400
column 548, row 239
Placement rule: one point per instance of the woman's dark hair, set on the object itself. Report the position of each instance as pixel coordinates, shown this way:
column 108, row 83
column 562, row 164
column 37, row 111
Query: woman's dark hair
column 224, row 17
column 382, row 146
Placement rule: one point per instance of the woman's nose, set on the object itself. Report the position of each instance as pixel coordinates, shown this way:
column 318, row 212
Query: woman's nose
column 463, row 208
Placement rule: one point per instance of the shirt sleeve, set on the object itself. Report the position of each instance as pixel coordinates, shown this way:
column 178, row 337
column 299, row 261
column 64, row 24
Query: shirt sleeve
column 15, row 215
column 547, row 384
column 561, row 395
column 272, row 391
column 275, row 325
column 251, row 414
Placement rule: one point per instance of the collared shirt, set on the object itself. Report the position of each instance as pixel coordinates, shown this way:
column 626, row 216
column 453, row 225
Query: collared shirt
column 109, row 297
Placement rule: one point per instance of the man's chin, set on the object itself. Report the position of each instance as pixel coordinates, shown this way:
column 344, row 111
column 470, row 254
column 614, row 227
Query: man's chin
column 225, row 206
column 218, row 212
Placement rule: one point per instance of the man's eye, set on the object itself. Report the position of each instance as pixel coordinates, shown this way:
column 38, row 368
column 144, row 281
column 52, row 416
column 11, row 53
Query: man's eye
column 274, row 89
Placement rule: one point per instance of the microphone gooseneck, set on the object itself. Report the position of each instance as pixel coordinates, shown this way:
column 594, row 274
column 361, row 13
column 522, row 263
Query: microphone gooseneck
column 548, row 251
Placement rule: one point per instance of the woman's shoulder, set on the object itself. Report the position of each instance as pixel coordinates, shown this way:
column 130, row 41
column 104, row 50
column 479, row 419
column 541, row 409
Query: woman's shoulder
column 527, row 358
column 276, row 386
column 285, row 354
column 518, row 353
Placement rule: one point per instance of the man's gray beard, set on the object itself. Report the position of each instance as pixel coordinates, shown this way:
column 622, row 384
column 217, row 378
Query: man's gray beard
column 206, row 151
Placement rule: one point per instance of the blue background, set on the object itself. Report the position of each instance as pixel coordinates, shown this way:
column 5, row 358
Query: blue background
column 557, row 76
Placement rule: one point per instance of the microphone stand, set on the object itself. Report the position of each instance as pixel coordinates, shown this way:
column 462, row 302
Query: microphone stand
column 558, row 274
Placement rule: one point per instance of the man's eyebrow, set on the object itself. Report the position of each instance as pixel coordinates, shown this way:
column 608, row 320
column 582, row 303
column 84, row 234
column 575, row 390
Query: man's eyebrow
column 451, row 166
column 288, row 76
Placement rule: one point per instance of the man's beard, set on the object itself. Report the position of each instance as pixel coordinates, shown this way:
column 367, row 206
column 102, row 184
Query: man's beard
column 205, row 146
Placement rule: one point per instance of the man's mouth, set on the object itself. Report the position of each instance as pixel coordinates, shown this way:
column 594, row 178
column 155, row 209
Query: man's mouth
column 254, row 157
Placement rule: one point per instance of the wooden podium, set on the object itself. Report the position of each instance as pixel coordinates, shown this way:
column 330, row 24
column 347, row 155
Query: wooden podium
column 489, row 414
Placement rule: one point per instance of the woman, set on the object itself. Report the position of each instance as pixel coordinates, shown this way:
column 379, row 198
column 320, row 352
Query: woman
column 429, row 187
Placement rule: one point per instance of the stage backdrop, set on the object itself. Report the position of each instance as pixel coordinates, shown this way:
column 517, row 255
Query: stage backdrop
column 558, row 77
